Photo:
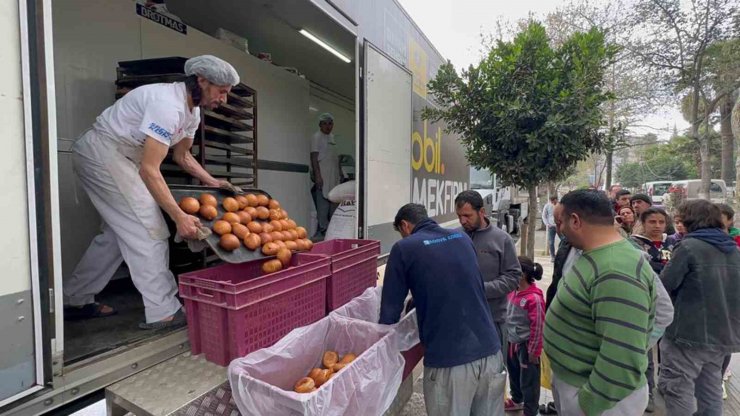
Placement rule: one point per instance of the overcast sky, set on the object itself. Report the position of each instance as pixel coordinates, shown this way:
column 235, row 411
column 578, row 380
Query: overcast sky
column 455, row 27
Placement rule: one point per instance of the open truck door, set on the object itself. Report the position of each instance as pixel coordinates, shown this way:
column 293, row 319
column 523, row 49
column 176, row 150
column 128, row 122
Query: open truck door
column 24, row 239
column 385, row 146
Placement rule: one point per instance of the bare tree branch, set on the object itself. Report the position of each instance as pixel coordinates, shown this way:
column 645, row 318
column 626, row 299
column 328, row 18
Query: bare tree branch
column 675, row 27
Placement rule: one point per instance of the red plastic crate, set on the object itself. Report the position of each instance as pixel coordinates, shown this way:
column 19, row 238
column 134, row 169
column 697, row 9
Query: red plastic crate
column 235, row 285
column 353, row 267
column 232, row 309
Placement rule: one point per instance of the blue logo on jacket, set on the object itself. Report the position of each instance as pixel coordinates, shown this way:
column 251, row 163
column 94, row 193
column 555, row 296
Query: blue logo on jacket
column 161, row 131
column 442, row 239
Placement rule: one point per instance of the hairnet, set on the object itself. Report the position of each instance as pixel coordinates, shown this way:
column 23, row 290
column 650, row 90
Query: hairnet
column 214, row 69
column 326, row 117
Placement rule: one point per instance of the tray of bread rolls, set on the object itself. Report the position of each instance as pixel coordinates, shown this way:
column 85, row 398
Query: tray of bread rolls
column 245, row 227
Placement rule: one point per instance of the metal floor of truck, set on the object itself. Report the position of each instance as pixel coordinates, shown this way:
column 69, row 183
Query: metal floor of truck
column 87, row 338
column 415, row 405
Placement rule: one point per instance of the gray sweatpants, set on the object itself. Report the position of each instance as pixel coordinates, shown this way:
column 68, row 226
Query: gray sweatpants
column 690, row 380
column 566, row 400
column 473, row 389
column 503, row 329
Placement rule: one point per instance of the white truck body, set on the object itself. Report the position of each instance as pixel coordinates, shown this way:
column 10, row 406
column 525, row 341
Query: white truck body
column 690, row 188
column 59, row 74
column 507, row 206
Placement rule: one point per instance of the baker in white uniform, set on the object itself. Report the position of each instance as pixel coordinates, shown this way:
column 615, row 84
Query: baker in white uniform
column 325, row 173
column 118, row 162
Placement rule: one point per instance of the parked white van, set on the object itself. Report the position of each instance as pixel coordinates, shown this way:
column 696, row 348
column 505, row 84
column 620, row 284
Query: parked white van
column 690, row 187
column 656, row 190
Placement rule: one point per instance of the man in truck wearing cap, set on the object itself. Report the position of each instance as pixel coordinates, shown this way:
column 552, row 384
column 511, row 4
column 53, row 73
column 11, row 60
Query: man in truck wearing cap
column 325, row 173
column 118, row 163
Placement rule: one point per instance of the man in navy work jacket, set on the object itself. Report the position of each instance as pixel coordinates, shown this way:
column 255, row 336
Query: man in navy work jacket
column 463, row 366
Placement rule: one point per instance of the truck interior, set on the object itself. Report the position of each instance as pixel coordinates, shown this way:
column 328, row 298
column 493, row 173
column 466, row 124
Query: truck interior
column 302, row 81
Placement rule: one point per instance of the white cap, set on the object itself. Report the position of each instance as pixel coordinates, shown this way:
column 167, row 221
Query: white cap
column 214, row 69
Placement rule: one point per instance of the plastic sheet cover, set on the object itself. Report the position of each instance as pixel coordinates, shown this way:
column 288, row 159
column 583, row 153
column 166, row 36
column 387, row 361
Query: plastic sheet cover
column 262, row 382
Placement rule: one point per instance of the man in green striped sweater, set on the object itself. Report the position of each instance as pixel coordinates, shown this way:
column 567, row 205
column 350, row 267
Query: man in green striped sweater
column 597, row 328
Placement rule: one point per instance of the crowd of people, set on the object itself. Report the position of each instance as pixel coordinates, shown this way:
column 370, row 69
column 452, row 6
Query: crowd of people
column 640, row 299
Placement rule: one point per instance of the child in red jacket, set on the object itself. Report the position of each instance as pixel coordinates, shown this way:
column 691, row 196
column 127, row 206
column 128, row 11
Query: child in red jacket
column 728, row 218
column 525, row 320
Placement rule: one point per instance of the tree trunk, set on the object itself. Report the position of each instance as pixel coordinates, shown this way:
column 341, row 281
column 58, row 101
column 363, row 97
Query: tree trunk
column 612, row 115
column 523, row 235
column 728, row 140
column 736, row 133
column 705, row 171
column 532, row 216
column 600, row 181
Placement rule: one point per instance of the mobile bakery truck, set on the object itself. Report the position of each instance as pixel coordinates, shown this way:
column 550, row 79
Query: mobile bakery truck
column 65, row 61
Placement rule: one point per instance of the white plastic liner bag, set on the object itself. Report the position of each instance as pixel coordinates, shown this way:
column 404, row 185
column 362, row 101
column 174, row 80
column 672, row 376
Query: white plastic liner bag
column 342, row 192
column 342, row 223
column 262, row 382
column 366, row 307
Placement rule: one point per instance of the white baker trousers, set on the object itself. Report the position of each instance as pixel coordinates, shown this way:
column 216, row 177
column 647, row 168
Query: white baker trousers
column 124, row 236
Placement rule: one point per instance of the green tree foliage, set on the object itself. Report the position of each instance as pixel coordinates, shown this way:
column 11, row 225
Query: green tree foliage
column 675, row 38
column 528, row 111
column 675, row 160
column 631, row 175
column 722, row 68
column 723, row 73
column 527, row 105
column 662, row 167
column 686, row 149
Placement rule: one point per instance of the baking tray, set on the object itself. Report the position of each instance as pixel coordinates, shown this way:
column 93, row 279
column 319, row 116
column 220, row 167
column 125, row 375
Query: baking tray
column 225, row 122
column 245, row 162
column 242, row 90
column 239, row 101
column 224, row 146
column 239, row 255
column 138, row 80
column 154, row 66
column 227, row 174
column 216, row 134
column 233, row 111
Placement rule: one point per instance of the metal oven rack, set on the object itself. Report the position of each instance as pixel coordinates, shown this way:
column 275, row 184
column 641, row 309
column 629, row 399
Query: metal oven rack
column 226, row 142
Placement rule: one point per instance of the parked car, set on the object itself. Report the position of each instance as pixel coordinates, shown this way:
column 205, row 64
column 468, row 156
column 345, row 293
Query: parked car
column 690, row 189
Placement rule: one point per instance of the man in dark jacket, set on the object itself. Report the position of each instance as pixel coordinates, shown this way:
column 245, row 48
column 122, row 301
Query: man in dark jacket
column 496, row 256
column 658, row 247
column 703, row 279
column 639, row 203
column 622, row 199
column 463, row 365
column 654, row 240
column 562, row 254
